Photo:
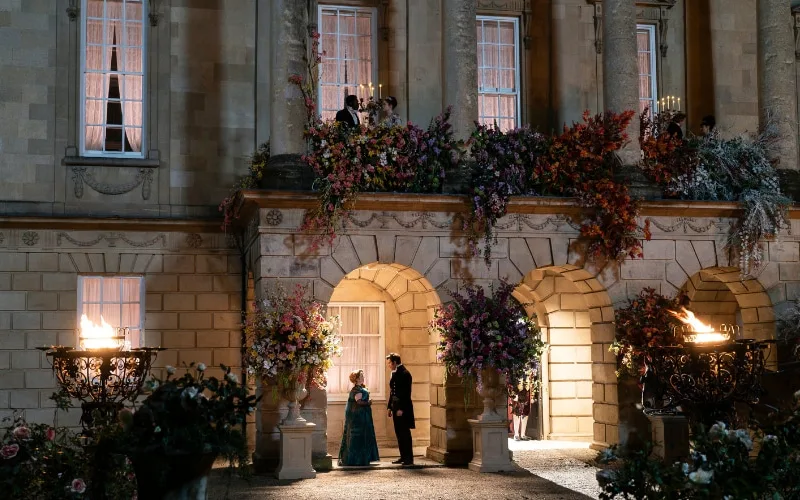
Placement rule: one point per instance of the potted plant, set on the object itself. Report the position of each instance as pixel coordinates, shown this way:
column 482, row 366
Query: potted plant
column 180, row 429
column 483, row 337
column 291, row 344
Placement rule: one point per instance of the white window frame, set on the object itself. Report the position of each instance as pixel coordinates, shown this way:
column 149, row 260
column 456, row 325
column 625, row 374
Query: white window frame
column 82, row 84
column 373, row 12
column 517, row 80
column 651, row 30
column 376, row 393
column 134, row 342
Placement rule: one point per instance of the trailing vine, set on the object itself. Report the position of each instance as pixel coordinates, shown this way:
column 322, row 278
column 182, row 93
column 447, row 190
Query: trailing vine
column 712, row 168
column 231, row 206
column 578, row 162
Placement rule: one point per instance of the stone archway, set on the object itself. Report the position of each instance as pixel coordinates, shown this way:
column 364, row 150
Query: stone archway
column 407, row 301
column 576, row 316
column 721, row 295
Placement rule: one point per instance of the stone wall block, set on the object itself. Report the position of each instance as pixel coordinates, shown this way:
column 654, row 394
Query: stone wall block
column 330, row 271
column 211, row 264
column 406, row 249
column 427, row 254
column 43, row 262
column 706, row 253
column 520, row 254
column 687, row 258
column 365, row 247
column 345, row 254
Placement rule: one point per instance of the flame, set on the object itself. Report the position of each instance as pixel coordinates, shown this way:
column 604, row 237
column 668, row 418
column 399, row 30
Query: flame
column 102, row 336
column 702, row 333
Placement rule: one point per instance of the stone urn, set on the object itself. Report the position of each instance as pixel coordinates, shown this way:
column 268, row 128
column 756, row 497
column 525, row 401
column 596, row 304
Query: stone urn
column 295, row 390
column 488, row 387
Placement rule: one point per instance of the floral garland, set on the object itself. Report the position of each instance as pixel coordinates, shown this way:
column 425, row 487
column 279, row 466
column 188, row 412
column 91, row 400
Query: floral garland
column 576, row 163
column 479, row 331
column 645, row 322
column 712, row 168
column 347, row 162
column 287, row 334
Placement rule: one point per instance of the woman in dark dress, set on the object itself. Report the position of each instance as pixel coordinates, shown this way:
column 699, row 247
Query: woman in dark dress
column 359, row 446
column 521, row 408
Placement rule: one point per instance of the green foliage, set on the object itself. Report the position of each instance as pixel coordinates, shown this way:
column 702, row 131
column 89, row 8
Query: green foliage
column 759, row 463
column 38, row 461
column 788, row 326
column 192, row 414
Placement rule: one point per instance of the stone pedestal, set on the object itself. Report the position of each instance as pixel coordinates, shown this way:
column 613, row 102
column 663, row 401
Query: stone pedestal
column 490, row 446
column 295, row 461
column 670, row 435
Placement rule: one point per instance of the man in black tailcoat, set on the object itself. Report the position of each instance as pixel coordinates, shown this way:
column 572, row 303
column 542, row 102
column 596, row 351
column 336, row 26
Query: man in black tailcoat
column 348, row 116
column 401, row 410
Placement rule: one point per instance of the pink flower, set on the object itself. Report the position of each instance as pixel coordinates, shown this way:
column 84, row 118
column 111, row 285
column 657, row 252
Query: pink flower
column 22, row 433
column 9, row 451
column 78, row 486
column 50, row 434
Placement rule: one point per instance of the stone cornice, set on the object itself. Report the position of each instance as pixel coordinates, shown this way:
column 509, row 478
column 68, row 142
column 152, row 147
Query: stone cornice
column 645, row 3
column 111, row 224
column 517, row 205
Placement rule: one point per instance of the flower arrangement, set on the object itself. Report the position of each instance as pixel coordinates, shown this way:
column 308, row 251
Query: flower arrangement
column 40, row 461
column 505, row 162
column 712, row 168
column 664, row 157
column 479, row 331
column 192, row 415
column 347, row 162
column 231, row 206
column 372, row 108
column 577, row 163
column 288, row 334
column 723, row 463
column 645, row 322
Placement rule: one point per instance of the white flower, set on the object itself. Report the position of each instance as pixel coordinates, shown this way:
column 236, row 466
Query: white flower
column 201, row 367
column 769, row 438
column 744, row 437
column 685, row 468
column 157, row 429
column 232, row 378
column 170, row 370
column 190, row 393
column 701, row 476
column 717, row 430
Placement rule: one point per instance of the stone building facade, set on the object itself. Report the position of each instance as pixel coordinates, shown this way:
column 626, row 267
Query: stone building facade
column 216, row 86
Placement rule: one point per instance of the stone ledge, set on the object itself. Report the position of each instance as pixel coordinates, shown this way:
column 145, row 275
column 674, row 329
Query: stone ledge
column 111, row 223
column 416, row 202
column 105, row 161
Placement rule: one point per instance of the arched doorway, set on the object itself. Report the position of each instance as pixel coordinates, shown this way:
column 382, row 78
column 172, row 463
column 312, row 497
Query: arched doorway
column 721, row 295
column 384, row 308
column 579, row 386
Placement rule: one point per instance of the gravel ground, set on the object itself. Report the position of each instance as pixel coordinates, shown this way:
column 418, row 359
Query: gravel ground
column 544, row 473
column 424, row 483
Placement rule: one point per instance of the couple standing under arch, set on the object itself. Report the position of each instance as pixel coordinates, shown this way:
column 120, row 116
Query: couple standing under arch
column 359, row 444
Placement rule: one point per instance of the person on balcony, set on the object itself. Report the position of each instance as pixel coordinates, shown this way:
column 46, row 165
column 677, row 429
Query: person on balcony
column 392, row 118
column 675, row 127
column 348, row 116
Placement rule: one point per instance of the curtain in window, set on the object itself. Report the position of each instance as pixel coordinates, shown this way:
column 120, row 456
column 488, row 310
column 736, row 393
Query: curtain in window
column 115, row 300
column 646, row 70
column 96, row 79
column 360, row 349
column 347, row 67
column 132, row 82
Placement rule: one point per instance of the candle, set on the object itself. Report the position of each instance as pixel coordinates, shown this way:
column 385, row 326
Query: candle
column 380, row 91
column 679, row 103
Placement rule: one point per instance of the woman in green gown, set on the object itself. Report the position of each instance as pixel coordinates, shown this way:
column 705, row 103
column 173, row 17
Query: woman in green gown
column 359, row 446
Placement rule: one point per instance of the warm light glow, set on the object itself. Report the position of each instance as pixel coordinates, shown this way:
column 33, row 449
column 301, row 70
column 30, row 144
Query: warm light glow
column 102, row 336
column 701, row 332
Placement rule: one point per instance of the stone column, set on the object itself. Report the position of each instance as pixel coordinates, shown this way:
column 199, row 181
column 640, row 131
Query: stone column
column 621, row 70
column 289, row 34
column 460, row 53
column 777, row 96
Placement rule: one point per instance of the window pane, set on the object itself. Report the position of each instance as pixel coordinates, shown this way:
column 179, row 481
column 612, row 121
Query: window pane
column 347, row 39
column 111, row 290
column 643, row 40
column 506, row 34
column 115, row 300
column 350, row 321
column 498, row 93
column 370, row 317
